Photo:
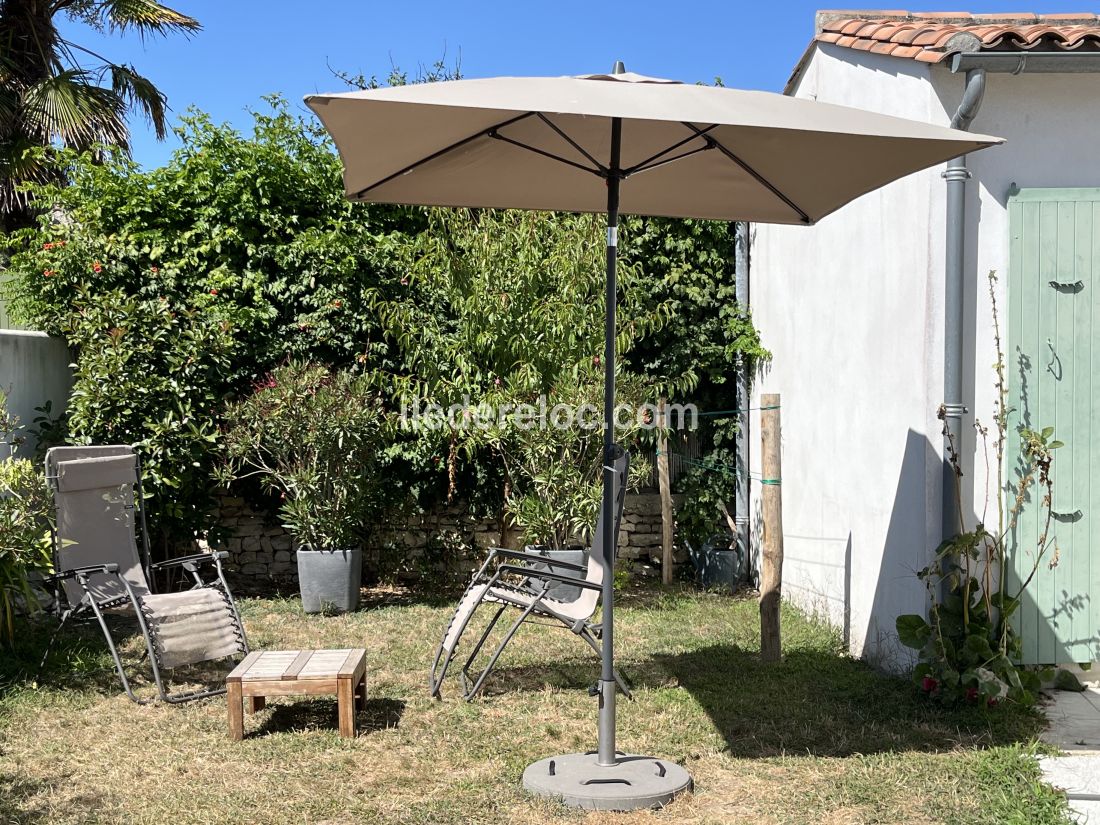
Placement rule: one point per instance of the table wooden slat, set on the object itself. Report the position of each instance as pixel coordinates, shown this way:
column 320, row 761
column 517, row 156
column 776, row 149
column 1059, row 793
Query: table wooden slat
column 298, row 663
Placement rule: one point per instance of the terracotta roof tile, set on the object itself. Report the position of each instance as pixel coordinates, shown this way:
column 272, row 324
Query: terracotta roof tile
column 931, row 37
column 884, row 48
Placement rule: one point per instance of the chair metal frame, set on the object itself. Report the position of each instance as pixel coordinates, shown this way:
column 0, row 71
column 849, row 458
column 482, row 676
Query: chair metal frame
column 88, row 603
column 529, row 598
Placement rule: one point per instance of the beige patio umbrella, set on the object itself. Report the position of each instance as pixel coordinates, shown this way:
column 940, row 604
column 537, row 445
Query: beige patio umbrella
column 610, row 143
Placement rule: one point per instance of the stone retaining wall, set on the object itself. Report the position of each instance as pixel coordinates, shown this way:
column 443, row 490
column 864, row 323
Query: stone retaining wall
column 261, row 553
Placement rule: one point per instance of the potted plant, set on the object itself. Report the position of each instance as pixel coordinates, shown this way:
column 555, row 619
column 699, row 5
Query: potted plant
column 313, row 437
column 555, row 473
column 702, row 521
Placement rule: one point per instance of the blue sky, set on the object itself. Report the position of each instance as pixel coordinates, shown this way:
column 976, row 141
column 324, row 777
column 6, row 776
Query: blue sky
column 250, row 48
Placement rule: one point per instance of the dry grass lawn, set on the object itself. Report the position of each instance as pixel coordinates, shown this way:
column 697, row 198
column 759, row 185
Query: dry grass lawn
column 817, row 738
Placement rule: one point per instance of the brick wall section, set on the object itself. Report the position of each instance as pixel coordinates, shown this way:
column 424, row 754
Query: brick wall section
column 261, row 553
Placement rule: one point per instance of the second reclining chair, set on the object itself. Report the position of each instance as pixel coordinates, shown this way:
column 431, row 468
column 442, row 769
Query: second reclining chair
column 518, row 580
column 97, row 497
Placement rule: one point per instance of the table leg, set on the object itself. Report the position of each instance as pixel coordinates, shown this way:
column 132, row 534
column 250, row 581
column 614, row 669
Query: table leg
column 256, row 703
column 361, row 695
column 345, row 698
column 236, row 710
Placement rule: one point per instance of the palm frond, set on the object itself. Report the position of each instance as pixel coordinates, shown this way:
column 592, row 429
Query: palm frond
column 138, row 92
column 145, row 16
column 71, row 108
column 22, row 161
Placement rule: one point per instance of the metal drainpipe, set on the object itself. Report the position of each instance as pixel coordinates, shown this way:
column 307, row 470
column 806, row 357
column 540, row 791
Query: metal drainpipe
column 741, row 506
column 956, row 176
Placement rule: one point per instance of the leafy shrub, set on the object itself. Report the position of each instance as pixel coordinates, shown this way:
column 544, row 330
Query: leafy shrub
column 505, row 308
column 180, row 287
column 967, row 646
column 24, row 528
column 708, row 485
column 556, row 474
column 686, row 272
column 314, row 436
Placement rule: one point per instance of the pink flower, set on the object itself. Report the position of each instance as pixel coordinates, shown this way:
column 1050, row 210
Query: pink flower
column 97, row 267
column 928, row 684
column 153, row 269
column 971, row 694
column 213, row 292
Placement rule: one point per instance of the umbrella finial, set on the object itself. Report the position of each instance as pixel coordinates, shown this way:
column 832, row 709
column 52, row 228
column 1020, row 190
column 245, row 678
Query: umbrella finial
column 619, row 68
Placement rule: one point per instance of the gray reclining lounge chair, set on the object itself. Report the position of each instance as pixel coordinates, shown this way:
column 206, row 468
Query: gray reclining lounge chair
column 521, row 580
column 97, row 491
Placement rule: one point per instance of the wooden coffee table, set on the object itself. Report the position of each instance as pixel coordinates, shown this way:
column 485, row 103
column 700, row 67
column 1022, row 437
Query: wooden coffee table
column 266, row 673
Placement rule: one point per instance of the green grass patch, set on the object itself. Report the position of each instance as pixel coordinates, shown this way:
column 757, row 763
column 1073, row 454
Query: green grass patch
column 818, row 737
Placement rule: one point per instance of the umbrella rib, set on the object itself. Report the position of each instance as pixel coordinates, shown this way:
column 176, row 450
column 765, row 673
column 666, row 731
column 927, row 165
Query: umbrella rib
column 756, row 175
column 456, row 145
column 572, row 142
column 633, row 170
column 645, row 164
column 600, row 172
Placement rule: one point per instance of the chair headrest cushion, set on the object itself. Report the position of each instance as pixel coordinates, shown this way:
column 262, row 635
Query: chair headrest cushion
column 96, row 473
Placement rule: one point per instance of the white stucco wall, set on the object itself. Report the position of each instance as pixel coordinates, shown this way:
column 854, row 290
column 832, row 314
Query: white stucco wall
column 852, row 310
column 34, row 368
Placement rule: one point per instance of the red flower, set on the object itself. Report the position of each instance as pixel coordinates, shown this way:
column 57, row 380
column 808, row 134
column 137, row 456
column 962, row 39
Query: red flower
column 992, row 701
column 153, row 269
column 337, row 304
column 213, row 292
column 595, row 360
column 971, row 694
column 928, row 684
column 47, row 246
column 49, row 272
column 97, row 267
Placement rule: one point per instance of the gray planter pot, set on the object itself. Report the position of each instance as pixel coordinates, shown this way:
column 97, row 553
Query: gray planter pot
column 329, row 580
column 560, row 590
column 717, row 567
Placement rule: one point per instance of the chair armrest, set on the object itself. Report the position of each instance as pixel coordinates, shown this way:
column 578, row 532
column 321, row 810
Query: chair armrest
column 76, row 571
column 538, row 558
column 196, row 558
column 558, row 577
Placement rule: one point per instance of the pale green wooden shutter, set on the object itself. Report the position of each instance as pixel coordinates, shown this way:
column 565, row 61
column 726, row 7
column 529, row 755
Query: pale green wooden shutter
column 1053, row 364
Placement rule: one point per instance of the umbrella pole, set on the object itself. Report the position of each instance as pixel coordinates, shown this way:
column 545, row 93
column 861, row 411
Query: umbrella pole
column 606, row 779
column 608, row 687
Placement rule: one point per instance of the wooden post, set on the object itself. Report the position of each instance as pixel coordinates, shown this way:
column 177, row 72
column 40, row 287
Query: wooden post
column 771, row 575
column 666, row 494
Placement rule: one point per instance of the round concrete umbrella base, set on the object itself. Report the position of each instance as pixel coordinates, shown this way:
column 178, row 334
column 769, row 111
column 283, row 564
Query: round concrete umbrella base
column 580, row 782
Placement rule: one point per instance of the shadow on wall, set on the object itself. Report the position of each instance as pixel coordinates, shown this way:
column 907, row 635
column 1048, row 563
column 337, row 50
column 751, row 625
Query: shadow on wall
column 1056, row 620
column 907, row 548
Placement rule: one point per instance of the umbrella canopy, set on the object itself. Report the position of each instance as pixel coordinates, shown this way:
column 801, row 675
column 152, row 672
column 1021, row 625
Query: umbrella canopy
column 642, row 145
column 687, row 151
